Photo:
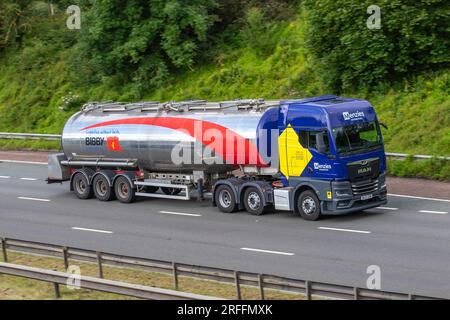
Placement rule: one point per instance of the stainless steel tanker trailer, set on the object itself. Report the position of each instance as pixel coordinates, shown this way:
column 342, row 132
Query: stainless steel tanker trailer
column 321, row 155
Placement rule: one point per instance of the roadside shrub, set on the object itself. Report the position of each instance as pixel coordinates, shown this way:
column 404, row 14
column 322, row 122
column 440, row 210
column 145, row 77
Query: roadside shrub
column 414, row 37
column 144, row 39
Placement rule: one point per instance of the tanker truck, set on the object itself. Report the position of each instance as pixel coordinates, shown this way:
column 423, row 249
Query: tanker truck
column 314, row 156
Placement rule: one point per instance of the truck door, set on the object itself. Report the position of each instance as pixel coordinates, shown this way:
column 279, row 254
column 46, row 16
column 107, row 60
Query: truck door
column 294, row 157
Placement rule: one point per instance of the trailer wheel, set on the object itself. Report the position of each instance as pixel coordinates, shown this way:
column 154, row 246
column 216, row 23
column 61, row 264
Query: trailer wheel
column 253, row 201
column 171, row 191
column 308, row 205
column 124, row 190
column 151, row 189
column 225, row 199
column 81, row 186
column 102, row 190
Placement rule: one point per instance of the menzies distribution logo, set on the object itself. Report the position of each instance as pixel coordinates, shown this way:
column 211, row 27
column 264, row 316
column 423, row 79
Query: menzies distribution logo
column 353, row 116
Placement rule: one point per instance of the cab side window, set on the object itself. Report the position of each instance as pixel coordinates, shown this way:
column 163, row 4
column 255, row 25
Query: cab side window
column 312, row 139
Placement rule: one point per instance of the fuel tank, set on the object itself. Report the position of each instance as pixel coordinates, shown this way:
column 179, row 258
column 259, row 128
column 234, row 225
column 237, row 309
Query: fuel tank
column 172, row 137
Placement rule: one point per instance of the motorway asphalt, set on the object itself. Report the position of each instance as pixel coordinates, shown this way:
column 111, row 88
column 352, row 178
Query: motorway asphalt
column 409, row 239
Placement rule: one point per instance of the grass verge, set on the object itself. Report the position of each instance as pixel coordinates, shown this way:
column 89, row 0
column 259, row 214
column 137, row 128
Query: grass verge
column 25, row 289
column 29, row 145
column 434, row 168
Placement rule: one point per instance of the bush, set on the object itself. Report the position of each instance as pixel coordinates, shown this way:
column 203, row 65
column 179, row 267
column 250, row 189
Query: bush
column 414, row 36
column 141, row 40
column 434, row 168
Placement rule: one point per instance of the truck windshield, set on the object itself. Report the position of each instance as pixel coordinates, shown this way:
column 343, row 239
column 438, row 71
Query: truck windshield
column 357, row 138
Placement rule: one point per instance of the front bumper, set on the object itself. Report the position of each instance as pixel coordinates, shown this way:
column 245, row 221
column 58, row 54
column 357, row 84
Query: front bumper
column 349, row 197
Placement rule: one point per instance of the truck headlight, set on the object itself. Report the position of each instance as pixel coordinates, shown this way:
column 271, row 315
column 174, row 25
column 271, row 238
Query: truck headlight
column 383, row 186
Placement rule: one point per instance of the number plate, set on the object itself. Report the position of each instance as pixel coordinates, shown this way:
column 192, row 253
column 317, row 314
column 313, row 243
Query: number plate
column 367, row 197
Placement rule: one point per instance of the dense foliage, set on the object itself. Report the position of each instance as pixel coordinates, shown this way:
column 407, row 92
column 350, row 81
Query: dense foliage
column 141, row 40
column 414, row 36
column 226, row 49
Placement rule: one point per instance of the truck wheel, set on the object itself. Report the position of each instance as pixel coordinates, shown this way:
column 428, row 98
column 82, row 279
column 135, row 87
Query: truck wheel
column 225, row 199
column 253, row 201
column 102, row 190
column 171, row 191
column 308, row 205
column 151, row 189
column 124, row 190
column 81, row 186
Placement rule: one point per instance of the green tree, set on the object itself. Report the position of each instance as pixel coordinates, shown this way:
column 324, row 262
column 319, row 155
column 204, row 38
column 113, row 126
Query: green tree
column 14, row 21
column 414, row 37
column 142, row 40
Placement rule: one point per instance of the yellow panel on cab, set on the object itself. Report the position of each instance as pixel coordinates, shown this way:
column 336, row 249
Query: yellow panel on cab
column 293, row 156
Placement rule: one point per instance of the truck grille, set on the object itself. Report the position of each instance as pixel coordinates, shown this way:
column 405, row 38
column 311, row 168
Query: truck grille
column 365, row 187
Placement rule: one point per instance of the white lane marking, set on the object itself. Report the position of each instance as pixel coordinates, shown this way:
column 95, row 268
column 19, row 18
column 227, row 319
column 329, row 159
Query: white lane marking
column 28, row 179
column 92, row 230
column 269, row 251
column 431, row 211
column 387, row 208
column 181, row 213
column 414, row 197
column 5, row 177
column 33, row 199
column 345, row 230
column 23, row 162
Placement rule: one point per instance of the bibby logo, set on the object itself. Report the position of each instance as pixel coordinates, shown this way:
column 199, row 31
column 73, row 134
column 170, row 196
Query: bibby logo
column 353, row 116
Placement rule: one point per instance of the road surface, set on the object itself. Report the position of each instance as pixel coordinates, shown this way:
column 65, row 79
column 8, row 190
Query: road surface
column 409, row 239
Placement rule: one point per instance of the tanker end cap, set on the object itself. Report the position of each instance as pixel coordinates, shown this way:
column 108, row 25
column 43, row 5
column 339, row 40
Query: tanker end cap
column 57, row 171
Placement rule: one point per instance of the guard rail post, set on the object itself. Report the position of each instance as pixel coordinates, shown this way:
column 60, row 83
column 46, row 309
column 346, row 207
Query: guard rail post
column 175, row 275
column 57, row 291
column 261, row 286
column 5, row 253
column 100, row 265
column 66, row 258
column 308, row 290
column 238, row 285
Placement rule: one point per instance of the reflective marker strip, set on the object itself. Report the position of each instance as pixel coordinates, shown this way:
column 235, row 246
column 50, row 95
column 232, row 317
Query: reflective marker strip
column 181, row 213
column 414, row 197
column 345, row 230
column 23, row 162
column 386, row 208
column 269, row 251
column 28, row 179
column 92, row 230
column 33, row 199
column 431, row 211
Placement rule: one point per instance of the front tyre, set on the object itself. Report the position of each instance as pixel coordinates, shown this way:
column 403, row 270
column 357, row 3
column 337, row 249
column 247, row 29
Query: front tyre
column 308, row 205
column 254, row 202
column 81, row 186
column 225, row 199
column 124, row 191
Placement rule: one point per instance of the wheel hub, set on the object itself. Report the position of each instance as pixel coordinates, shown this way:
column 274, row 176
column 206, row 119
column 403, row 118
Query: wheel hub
column 225, row 198
column 253, row 201
column 308, row 205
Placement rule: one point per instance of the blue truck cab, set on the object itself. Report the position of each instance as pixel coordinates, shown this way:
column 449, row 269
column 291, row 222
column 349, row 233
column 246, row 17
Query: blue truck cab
column 331, row 155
